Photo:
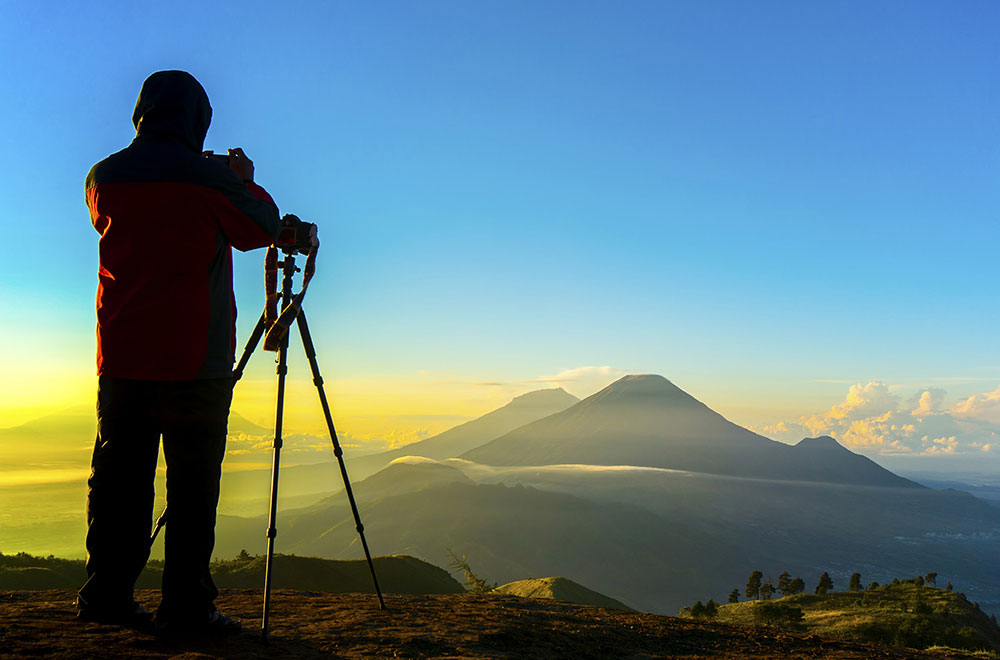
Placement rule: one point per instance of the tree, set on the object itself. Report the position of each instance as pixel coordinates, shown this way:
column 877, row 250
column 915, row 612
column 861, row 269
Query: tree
column 711, row 609
column 698, row 610
column 798, row 585
column 948, row 587
column 244, row 555
column 919, row 581
column 766, row 590
column 785, row 584
column 753, row 585
column 873, row 586
column 855, row 583
column 734, row 596
column 825, row 583
column 931, row 578
column 473, row 582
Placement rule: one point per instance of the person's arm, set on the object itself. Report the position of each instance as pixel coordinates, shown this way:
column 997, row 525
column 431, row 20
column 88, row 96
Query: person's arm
column 250, row 217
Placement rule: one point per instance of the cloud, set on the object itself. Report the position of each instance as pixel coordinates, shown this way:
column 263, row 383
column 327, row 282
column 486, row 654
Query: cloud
column 983, row 407
column 928, row 401
column 875, row 418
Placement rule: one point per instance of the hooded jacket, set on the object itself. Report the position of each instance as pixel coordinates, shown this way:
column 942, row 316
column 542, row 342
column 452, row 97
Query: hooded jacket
column 168, row 219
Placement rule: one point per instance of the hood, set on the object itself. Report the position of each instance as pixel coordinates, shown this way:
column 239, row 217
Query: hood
column 173, row 103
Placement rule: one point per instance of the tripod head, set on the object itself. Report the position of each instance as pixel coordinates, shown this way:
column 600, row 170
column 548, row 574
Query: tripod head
column 275, row 325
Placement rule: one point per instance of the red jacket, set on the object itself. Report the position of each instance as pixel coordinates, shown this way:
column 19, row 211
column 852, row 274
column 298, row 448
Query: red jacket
column 168, row 218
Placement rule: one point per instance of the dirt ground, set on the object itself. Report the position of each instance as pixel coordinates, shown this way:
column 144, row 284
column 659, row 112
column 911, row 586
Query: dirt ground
column 311, row 625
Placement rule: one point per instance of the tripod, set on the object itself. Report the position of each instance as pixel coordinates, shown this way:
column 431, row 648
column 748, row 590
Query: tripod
column 288, row 270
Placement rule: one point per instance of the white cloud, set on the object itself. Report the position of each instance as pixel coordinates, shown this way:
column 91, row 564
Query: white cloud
column 983, row 407
column 928, row 401
column 874, row 417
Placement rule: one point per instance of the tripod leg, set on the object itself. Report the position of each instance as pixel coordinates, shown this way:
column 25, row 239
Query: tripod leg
column 275, row 462
column 250, row 347
column 337, row 451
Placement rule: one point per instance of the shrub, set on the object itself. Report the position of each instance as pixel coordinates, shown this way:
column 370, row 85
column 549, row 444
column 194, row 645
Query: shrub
column 915, row 633
column 777, row 614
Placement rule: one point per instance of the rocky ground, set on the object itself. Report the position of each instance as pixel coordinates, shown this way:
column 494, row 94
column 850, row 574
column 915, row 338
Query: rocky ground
column 310, row 625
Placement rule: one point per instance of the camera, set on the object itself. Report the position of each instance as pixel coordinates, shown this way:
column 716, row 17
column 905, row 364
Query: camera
column 222, row 158
column 296, row 235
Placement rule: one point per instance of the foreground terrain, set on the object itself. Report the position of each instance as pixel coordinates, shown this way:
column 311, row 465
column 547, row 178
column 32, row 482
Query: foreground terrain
column 312, row 625
column 905, row 613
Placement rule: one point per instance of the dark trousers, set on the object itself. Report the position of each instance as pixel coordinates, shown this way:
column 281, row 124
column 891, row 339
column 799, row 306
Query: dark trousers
column 192, row 418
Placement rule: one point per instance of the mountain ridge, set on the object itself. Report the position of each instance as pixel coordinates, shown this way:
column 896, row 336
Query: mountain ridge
column 646, row 420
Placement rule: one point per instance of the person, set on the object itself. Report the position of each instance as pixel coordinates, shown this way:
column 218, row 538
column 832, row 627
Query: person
column 167, row 216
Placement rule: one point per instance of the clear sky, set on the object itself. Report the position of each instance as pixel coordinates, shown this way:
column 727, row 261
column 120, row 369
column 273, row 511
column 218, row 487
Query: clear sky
column 767, row 203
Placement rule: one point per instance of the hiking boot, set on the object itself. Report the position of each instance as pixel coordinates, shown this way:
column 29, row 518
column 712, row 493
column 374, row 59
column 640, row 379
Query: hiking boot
column 216, row 623
column 131, row 616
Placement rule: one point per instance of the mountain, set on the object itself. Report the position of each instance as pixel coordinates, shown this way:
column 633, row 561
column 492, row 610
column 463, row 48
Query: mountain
column 239, row 424
column 521, row 410
column 645, row 420
column 559, row 588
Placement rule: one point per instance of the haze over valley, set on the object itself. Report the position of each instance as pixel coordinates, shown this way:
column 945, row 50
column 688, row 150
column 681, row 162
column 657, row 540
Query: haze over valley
column 639, row 491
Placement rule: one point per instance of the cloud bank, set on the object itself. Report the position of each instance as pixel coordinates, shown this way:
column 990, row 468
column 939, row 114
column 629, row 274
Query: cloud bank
column 873, row 417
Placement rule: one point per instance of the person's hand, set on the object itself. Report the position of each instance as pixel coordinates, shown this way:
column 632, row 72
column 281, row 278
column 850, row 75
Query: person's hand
column 240, row 163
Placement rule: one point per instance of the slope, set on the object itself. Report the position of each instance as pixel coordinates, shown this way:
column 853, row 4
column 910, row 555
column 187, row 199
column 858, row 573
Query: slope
column 646, row 420
column 904, row 614
column 559, row 588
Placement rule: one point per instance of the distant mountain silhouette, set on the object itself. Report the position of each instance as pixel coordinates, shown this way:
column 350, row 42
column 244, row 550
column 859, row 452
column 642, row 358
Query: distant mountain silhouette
column 521, row 410
column 240, row 424
column 645, row 420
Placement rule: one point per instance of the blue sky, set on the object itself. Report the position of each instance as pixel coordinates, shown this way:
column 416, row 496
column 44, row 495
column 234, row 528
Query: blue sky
column 765, row 202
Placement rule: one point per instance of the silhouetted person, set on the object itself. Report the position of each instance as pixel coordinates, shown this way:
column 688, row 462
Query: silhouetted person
column 166, row 336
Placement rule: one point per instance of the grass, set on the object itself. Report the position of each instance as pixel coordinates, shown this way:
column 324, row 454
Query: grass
column 904, row 614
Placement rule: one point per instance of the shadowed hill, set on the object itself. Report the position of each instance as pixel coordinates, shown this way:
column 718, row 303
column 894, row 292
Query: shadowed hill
column 406, row 476
column 656, row 539
column 399, row 574
column 510, row 532
column 646, row 420
column 559, row 588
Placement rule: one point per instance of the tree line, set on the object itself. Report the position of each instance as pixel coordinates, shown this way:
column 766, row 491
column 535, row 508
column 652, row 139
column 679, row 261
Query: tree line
column 760, row 588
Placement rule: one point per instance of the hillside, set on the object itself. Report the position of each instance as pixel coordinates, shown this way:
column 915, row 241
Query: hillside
column 905, row 614
column 645, row 420
column 620, row 550
column 655, row 539
column 397, row 574
column 310, row 626
column 559, row 588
